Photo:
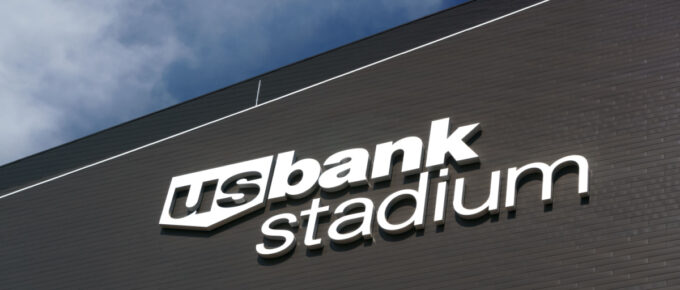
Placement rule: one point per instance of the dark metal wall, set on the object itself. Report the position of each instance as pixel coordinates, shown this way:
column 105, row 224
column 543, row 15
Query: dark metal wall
column 599, row 79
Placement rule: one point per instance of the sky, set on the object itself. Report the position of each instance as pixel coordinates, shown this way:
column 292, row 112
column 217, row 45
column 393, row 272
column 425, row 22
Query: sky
column 71, row 68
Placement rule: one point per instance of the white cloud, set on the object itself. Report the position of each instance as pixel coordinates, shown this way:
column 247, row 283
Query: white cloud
column 65, row 69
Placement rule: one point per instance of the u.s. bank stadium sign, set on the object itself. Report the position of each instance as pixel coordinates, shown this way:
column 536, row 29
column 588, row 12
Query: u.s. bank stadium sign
column 284, row 177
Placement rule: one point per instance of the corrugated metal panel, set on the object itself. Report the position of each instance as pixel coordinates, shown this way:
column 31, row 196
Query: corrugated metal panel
column 598, row 79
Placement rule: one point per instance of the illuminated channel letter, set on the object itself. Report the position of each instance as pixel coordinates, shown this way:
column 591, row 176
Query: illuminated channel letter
column 344, row 173
column 490, row 205
column 312, row 222
column 416, row 220
column 365, row 217
column 276, row 234
column 224, row 207
column 548, row 173
column 440, row 202
column 286, row 168
column 412, row 148
column 441, row 143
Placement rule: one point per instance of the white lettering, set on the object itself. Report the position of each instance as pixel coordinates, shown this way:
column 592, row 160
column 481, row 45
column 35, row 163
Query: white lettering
column 548, row 173
column 417, row 219
column 365, row 217
column 412, row 148
column 248, row 174
column 189, row 203
column 490, row 205
column 314, row 213
column 281, row 188
column 441, row 144
column 352, row 172
column 273, row 234
column 440, row 203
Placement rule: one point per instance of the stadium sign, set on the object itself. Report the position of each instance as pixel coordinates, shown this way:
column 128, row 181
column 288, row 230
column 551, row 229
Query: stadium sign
column 285, row 177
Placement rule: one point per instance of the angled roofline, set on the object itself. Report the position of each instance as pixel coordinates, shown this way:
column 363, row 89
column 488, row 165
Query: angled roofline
column 136, row 148
column 237, row 83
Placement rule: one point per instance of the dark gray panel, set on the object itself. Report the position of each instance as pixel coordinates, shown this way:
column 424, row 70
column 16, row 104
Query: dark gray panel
column 598, row 79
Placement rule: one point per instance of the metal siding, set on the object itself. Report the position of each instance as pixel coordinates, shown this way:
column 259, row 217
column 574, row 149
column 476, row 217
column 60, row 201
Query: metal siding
column 599, row 79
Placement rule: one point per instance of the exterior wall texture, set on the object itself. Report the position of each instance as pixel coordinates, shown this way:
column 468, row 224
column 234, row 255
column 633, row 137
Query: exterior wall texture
column 599, row 79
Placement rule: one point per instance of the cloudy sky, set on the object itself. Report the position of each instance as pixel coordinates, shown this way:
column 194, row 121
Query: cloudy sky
column 72, row 68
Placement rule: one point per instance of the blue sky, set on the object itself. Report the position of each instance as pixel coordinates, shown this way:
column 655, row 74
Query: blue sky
column 72, row 68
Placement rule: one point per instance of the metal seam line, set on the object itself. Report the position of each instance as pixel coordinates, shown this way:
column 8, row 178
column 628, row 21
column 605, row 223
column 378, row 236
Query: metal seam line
column 272, row 100
column 257, row 96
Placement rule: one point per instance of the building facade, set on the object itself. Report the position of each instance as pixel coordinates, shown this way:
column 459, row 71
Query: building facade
column 567, row 111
